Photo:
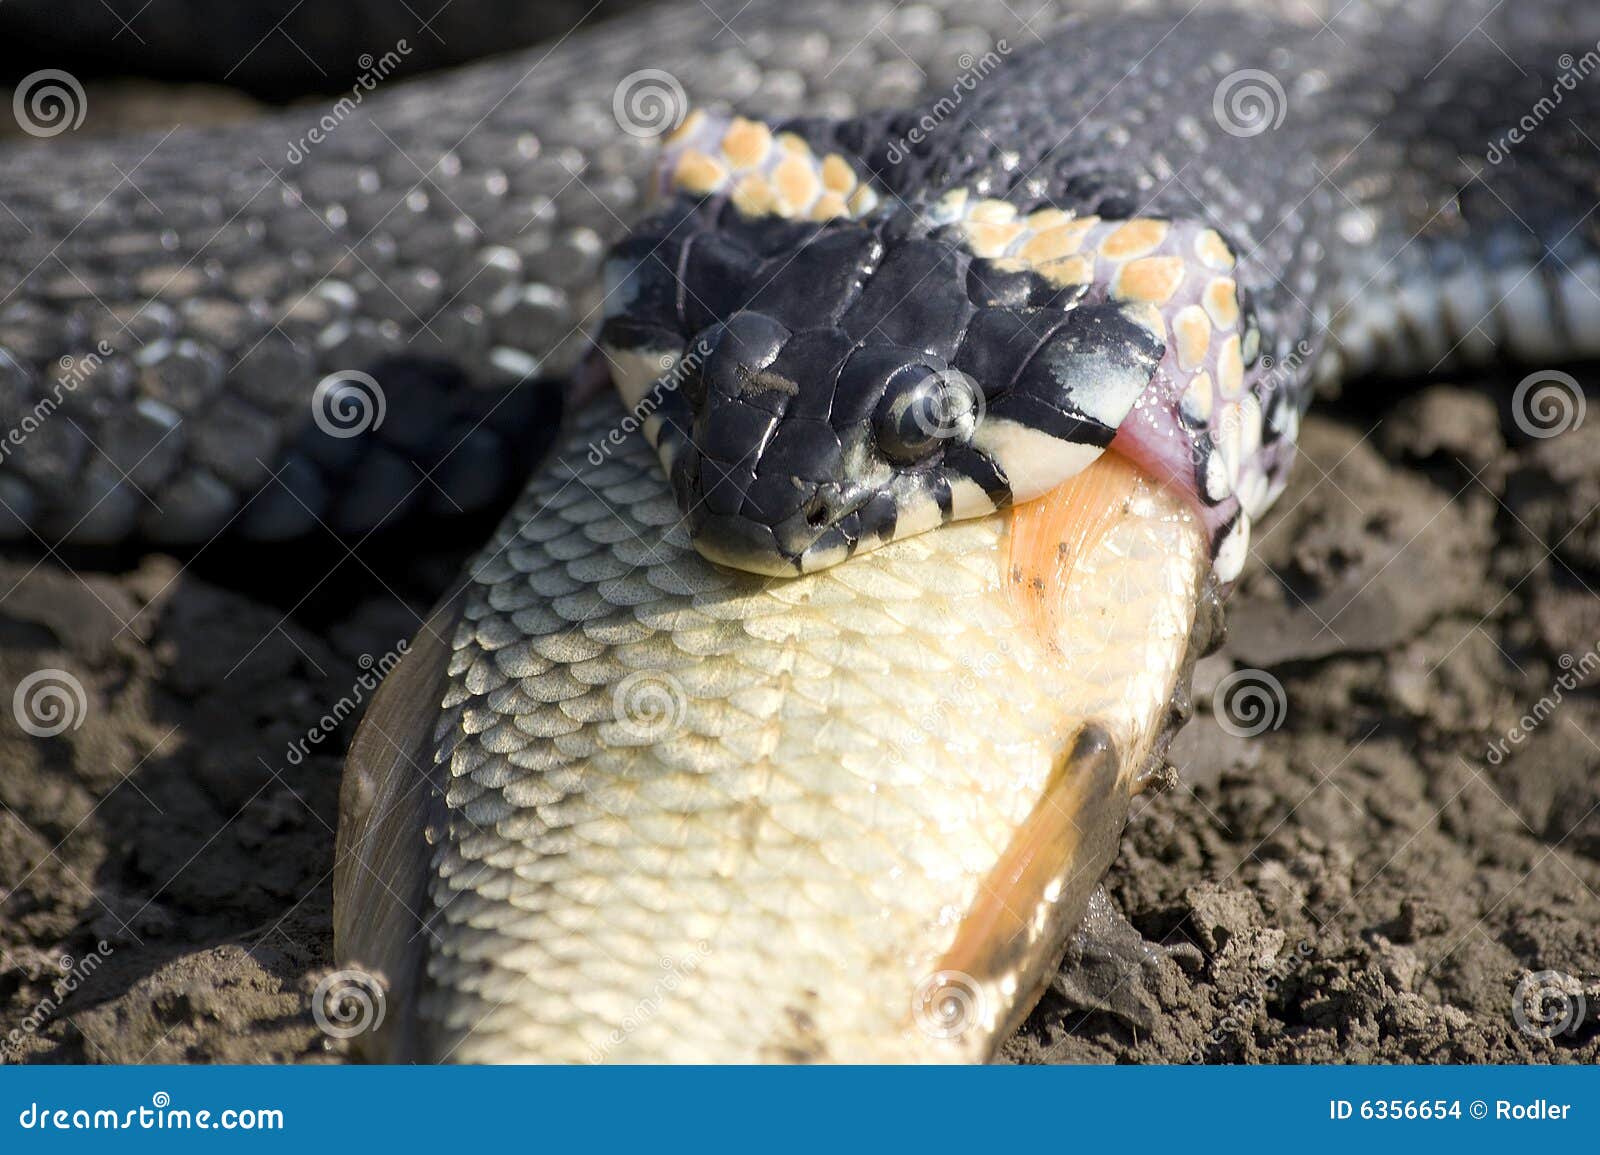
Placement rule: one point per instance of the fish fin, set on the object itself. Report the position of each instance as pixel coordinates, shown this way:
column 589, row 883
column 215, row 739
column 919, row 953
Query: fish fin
column 1039, row 889
column 387, row 798
column 1050, row 538
column 1036, row 894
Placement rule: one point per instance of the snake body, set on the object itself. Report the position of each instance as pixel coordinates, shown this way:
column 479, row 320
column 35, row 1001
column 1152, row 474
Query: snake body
column 795, row 863
column 445, row 238
column 273, row 48
column 966, row 302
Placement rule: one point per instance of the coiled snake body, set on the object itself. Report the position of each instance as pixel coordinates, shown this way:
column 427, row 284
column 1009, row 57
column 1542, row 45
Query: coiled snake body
column 671, row 810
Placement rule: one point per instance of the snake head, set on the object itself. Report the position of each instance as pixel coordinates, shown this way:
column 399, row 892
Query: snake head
column 820, row 389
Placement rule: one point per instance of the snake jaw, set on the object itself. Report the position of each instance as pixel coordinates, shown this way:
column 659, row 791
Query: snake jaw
column 837, row 521
column 1069, row 329
column 879, row 383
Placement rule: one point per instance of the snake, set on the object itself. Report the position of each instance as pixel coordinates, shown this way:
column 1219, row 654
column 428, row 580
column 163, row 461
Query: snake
column 274, row 50
column 793, row 711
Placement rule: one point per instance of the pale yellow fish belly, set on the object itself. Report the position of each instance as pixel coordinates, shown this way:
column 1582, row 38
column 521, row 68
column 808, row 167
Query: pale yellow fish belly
column 694, row 815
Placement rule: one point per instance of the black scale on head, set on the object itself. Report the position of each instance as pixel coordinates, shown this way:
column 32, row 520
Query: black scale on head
column 822, row 350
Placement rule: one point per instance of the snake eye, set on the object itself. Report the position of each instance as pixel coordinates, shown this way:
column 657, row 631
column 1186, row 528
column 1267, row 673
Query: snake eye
column 923, row 407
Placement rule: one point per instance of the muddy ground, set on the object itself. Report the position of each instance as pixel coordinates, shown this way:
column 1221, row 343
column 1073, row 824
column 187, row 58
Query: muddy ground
column 1413, row 832
column 1373, row 879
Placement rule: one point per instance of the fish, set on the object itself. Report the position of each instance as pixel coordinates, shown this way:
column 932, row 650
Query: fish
column 619, row 804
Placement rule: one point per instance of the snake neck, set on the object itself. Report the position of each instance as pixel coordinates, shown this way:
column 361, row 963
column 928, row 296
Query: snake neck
column 1237, row 223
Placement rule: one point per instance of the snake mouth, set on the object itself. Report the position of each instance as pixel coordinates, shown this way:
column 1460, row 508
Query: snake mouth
column 880, row 378
column 832, row 521
column 740, row 544
column 826, row 530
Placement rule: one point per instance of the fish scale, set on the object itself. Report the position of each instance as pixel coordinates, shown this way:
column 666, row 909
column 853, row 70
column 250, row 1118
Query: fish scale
column 691, row 814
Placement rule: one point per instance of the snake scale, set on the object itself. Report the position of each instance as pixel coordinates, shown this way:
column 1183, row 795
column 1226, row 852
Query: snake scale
column 623, row 801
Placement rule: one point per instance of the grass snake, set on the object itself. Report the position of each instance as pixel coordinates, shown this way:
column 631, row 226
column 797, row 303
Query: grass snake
column 665, row 778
